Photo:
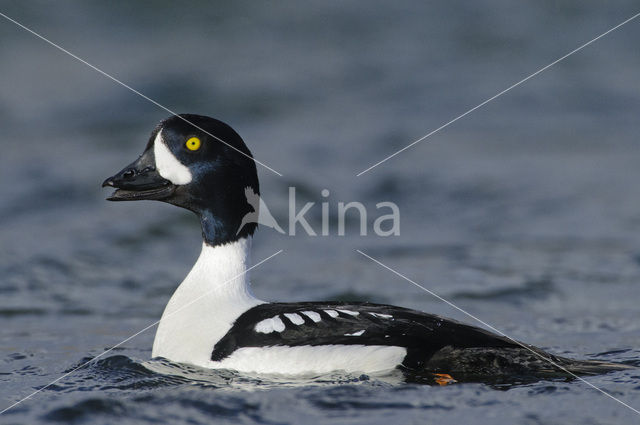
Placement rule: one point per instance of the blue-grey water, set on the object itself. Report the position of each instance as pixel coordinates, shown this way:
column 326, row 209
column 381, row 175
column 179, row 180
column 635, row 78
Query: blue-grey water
column 525, row 213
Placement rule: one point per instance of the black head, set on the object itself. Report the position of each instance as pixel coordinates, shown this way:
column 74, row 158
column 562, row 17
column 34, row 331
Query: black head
column 197, row 163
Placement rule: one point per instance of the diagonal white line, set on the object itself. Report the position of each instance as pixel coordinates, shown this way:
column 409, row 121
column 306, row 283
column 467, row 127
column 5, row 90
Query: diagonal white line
column 138, row 333
column 499, row 94
column 133, row 90
column 497, row 331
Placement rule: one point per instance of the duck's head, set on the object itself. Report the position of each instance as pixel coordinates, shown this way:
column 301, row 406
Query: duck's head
column 197, row 163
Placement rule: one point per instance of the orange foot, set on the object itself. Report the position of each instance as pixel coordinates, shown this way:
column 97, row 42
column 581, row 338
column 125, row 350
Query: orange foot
column 443, row 379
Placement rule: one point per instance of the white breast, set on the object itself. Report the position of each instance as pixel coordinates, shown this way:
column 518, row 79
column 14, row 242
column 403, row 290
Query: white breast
column 206, row 304
column 216, row 292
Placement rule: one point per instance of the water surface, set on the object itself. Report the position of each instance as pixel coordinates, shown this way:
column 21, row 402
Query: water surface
column 525, row 213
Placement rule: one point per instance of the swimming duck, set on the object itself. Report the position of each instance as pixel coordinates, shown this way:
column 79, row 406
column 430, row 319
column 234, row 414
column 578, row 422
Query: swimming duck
column 214, row 321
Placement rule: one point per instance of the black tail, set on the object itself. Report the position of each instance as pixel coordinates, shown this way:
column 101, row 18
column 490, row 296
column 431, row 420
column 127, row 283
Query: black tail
column 493, row 362
column 592, row 367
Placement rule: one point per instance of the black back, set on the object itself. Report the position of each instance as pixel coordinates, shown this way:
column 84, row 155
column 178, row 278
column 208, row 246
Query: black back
column 420, row 333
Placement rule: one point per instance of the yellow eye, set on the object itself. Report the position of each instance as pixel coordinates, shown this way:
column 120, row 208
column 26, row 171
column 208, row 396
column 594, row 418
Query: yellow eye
column 193, row 144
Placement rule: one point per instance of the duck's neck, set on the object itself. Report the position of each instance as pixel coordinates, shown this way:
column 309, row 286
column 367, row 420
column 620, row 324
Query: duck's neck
column 205, row 305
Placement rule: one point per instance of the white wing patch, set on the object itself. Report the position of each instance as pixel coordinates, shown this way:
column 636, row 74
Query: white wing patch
column 295, row 318
column 382, row 316
column 275, row 323
column 266, row 326
column 278, row 324
column 312, row 315
column 168, row 165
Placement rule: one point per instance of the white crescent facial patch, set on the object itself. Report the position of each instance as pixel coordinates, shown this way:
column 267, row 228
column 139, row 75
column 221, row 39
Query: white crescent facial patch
column 168, row 165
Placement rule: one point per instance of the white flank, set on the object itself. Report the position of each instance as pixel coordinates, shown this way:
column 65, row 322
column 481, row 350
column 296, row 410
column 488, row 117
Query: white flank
column 312, row 315
column 355, row 333
column 332, row 313
column 188, row 330
column 353, row 313
column 168, row 165
column 313, row 359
